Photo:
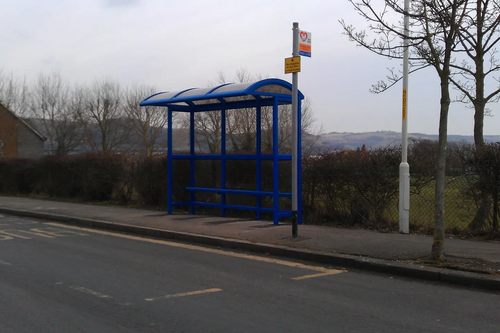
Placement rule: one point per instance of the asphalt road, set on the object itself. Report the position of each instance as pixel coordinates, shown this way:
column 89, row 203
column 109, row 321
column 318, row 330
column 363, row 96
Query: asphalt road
column 58, row 278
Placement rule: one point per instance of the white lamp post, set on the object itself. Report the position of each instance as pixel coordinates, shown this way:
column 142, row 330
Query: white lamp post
column 404, row 167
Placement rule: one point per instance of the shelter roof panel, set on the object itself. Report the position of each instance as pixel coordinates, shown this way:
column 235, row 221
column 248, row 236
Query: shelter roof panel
column 231, row 88
column 274, row 89
column 162, row 96
column 195, row 92
column 239, row 98
column 229, row 92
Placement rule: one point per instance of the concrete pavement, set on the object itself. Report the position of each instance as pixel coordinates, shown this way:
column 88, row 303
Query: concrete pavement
column 470, row 262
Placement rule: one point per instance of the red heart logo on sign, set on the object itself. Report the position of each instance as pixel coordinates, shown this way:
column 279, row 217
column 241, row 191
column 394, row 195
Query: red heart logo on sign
column 303, row 36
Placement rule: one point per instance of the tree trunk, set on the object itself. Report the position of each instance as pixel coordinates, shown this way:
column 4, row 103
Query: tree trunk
column 496, row 213
column 479, row 124
column 149, row 151
column 479, row 105
column 438, row 244
column 477, row 224
column 483, row 211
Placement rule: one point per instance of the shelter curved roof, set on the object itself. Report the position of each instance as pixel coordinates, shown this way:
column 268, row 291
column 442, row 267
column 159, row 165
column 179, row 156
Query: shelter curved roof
column 233, row 94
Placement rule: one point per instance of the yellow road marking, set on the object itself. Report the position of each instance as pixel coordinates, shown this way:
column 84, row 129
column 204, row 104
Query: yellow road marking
column 330, row 272
column 56, row 232
column 5, row 237
column 205, row 249
column 5, row 263
column 48, row 232
column 9, row 233
column 34, row 232
column 191, row 293
column 1, row 216
column 15, row 233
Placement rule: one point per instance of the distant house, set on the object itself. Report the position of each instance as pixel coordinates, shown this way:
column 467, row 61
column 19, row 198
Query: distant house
column 18, row 138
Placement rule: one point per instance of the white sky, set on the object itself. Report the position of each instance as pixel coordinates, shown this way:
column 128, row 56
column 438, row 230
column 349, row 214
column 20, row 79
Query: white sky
column 174, row 45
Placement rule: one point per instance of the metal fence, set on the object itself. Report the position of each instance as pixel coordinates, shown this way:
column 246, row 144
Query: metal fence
column 361, row 189
column 466, row 208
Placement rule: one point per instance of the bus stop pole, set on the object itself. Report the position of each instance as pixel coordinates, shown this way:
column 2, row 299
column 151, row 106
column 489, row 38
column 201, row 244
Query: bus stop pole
column 295, row 89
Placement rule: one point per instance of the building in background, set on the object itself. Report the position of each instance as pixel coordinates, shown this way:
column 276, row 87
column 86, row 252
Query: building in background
column 18, row 138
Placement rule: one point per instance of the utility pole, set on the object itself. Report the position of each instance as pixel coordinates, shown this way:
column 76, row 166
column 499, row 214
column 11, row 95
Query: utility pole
column 404, row 167
column 295, row 91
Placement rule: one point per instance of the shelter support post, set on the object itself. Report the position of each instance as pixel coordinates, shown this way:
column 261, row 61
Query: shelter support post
column 276, row 202
column 169, row 162
column 258, row 160
column 192, row 162
column 223, row 161
column 299, row 162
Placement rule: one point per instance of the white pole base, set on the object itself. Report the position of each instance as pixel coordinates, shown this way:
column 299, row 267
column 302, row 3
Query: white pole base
column 404, row 198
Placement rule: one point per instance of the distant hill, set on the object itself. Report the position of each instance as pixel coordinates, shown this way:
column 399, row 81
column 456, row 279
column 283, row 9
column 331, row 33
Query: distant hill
column 348, row 141
column 326, row 141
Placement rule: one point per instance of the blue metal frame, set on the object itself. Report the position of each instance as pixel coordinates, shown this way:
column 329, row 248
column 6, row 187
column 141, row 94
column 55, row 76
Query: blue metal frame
column 223, row 161
column 191, row 161
column 258, row 159
column 253, row 95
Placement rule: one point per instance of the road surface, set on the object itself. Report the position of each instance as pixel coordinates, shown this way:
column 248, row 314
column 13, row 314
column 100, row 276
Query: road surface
column 59, row 278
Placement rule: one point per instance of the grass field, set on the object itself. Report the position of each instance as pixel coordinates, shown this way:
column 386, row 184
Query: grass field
column 459, row 210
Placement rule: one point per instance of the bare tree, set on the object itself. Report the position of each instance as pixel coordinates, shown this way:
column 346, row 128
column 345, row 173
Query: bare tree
column 208, row 130
column 478, row 39
column 208, row 125
column 478, row 36
column 146, row 122
column 51, row 105
column 285, row 127
column 102, row 117
column 14, row 93
column 242, row 123
column 433, row 38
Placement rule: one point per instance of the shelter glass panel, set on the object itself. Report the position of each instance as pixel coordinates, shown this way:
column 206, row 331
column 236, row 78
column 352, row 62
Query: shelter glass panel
column 207, row 174
column 241, row 131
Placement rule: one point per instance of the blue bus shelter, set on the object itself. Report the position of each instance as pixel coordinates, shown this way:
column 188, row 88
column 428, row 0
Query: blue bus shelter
column 267, row 92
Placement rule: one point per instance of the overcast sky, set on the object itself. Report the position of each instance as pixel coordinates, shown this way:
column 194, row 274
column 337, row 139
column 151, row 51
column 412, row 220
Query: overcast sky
column 174, row 45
